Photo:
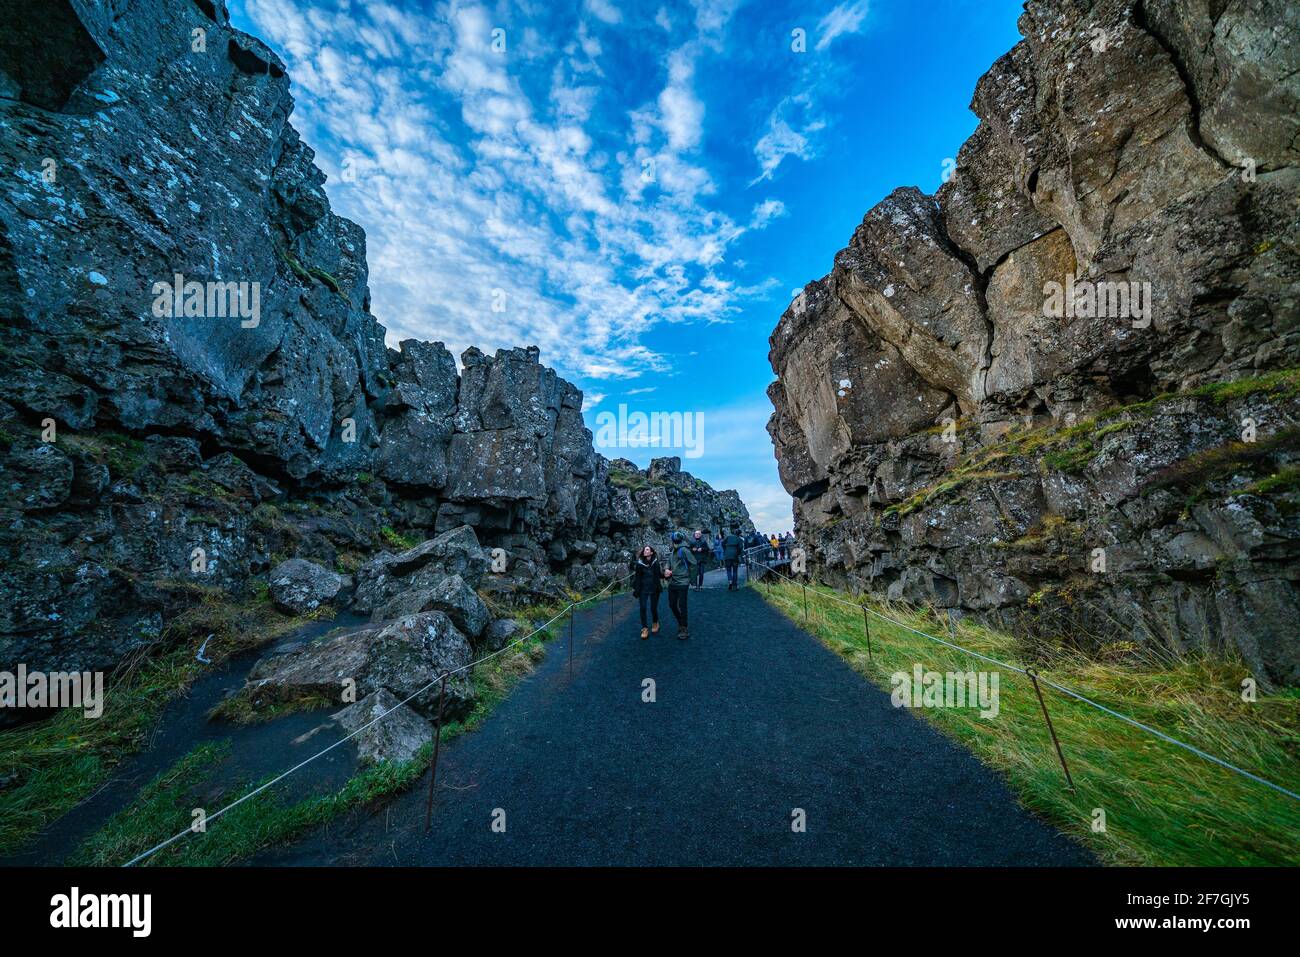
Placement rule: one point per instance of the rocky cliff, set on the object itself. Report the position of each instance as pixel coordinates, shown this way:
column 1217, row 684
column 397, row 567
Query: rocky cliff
column 196, row 391
column 1062, row 394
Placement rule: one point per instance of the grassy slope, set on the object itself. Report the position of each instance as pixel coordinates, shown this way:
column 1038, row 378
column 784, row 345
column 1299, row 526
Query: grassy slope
column 164, row 806
column 61, row 761
column 1163, row 805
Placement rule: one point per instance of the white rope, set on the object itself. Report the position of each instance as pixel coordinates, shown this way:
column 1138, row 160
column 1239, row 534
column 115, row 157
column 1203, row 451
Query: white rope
column 371, row 723
column 1051, row 684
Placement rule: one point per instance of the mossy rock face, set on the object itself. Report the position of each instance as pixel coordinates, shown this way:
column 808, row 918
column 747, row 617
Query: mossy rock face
column 1169, row 516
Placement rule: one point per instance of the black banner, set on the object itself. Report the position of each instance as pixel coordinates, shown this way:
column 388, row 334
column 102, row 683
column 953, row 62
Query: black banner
column 334, row 906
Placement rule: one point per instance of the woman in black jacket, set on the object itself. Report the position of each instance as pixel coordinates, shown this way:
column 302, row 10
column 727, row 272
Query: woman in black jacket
column 647, row 583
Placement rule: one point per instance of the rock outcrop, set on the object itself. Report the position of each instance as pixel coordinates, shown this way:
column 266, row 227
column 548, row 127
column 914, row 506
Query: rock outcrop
column 298, row 586
column 1061, row 394
column 196, row 390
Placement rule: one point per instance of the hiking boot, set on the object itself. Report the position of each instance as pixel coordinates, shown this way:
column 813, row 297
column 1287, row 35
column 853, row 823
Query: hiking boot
column 654, row 629
column 645, row 633
column 683, row 634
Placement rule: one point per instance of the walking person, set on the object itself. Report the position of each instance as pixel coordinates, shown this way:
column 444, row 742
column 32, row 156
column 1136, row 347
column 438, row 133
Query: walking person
column 732, row 546
column 647, row 585
column 680, row 573
column 701, row 550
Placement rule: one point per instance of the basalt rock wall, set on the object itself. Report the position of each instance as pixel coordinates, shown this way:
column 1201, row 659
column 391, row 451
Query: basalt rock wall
column 194, row 386
column 1061, row 394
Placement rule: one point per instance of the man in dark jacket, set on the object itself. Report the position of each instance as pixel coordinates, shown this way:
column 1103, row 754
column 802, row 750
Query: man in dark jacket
column 732, row 547
column 701, row 549
column 647, row 585
column 680, row 574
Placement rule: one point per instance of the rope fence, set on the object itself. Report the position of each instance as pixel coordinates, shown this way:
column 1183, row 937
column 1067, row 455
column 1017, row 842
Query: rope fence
column 1033, row 676
column 441, row 679
column 750, row 561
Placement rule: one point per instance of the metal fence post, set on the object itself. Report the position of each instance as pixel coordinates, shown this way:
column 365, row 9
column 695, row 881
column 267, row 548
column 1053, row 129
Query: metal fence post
column 1050, row 729
column 437, row 744
column 866, row 623
column 570, row 639
column 805, row 602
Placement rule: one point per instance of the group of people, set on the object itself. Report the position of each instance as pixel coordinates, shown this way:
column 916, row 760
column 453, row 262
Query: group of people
column 679, row 572
column 778, row 546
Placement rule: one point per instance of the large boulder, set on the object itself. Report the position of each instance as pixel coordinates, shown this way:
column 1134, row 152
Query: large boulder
column 449, row 594
column 388, row 730
column 454, row 552
column 405, row 656
column 501, row 633
column 298, row 586
column 652, row 504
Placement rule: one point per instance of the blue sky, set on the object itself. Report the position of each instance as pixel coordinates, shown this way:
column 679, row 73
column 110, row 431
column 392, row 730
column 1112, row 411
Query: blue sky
column 637, row 188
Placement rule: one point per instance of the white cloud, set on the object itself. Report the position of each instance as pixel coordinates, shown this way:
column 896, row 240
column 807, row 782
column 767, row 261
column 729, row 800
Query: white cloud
column 681, row 112
column 794, row 123
column 770, row 506
column 844, row 19
column 790, row 128
column 765, row 212
column 604, row 11
column 476, row 192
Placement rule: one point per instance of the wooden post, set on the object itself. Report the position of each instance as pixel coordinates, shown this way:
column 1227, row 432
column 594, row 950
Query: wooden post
column 1051, row 730
column 437, row 744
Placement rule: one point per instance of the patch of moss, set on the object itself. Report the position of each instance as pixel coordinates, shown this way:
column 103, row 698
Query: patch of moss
column 240, row 709
column 1194, row 474
column 332, row 283
column 933, row 493
column 395, row 539
column 1284, row 481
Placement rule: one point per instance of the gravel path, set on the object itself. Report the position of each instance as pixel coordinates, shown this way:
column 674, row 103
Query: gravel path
column 753, row 719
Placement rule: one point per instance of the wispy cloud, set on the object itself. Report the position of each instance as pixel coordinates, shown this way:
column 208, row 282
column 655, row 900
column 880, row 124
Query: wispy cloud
column 794, row 123
column 766, row 211
column 843, row 19
column 500, row 210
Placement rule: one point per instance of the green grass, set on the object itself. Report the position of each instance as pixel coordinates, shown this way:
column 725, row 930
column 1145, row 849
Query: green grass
column 159, row 808
column 946, row 488
column 1164, row 806
column 60, row 761
column 1194, row 475
column 632, row 481
column 395, row 539
column 164, row 806
column 1071, row 448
